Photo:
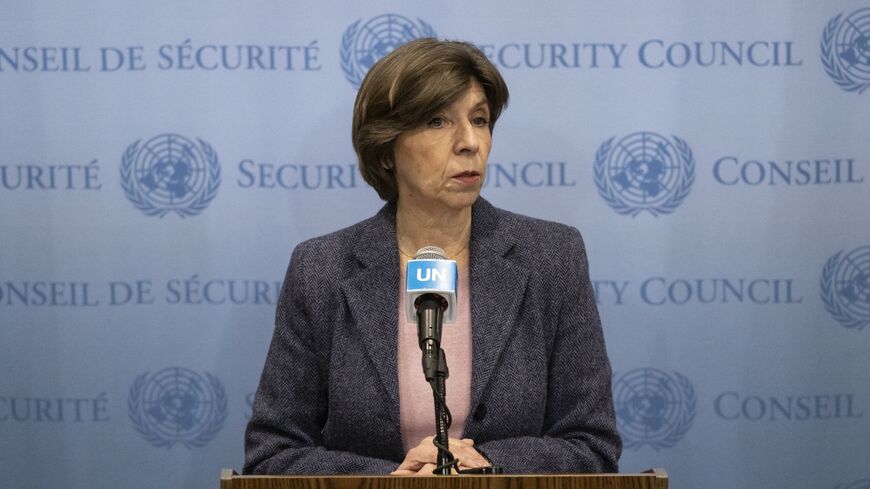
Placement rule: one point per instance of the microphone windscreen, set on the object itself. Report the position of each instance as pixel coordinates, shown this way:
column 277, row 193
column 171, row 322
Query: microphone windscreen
column 430, row 253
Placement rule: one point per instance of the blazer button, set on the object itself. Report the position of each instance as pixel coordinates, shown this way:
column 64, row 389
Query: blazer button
column 480, row 412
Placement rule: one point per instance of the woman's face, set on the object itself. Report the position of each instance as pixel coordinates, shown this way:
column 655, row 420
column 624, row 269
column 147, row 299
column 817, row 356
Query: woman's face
column 442, row 163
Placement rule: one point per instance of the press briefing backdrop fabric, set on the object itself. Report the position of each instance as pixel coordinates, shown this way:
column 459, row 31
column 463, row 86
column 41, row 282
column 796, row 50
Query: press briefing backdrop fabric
column 160, row 160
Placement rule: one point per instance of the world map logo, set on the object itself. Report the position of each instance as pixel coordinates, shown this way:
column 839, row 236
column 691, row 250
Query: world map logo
column 845, row 287
column 644, row 172
column 170, row 173
column 653, row 408
column 177, row 406
column 845, row 50
column 363, row 45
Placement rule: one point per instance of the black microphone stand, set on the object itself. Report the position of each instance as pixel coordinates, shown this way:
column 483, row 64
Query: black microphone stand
column 430, row 309
column 442, row 416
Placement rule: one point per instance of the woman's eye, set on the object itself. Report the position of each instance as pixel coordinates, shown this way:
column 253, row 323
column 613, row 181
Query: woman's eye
column 436, row 122
column 480, row 121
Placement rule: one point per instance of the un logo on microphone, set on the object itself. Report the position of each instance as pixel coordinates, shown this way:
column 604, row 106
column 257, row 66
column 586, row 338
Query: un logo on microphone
column 653, row 408
column 845, row 50
column 644, row 172
column 363, row 45
column 170, row 173
column 845, row 287
column 177, row 406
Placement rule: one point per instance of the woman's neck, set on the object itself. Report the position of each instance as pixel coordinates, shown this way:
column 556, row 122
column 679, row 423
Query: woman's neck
column 447, row 229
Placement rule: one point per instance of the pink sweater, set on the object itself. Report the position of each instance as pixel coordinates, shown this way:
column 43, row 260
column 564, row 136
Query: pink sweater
column 416, row 404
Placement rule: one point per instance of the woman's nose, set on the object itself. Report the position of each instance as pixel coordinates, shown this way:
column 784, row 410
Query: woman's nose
column 466, row 138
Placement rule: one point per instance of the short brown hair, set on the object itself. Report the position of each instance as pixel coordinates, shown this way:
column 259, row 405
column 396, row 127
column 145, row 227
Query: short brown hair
column 407, row 87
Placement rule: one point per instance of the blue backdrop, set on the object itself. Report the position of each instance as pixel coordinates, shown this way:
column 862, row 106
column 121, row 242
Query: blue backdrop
column 159, row 161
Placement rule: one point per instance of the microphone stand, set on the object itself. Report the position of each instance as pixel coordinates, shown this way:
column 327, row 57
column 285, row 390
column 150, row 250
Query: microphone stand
column 442, row 416
column 430, row 309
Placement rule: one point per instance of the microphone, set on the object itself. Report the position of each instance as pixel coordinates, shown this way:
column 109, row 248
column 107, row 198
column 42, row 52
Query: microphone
column 430, row 298
column 430, row 272
column 430, row 301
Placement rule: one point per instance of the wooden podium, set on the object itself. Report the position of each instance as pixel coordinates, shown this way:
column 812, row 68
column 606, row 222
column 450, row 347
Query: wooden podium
column 652, row 479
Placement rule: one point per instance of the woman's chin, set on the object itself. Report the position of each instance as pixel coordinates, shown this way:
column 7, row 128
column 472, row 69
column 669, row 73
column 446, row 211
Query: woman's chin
column 448, row 201
column 464, row 199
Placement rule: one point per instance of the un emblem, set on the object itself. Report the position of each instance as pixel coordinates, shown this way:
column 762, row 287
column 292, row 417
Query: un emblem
column 845, row 50
column 653, row 408
column 644, row 172
column 170, row 173
column 177, row 405
column 363, row 45
column 845, row 287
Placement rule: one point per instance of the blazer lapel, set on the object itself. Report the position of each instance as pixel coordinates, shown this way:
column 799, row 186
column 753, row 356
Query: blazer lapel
column 372, row 297
column 497, row 289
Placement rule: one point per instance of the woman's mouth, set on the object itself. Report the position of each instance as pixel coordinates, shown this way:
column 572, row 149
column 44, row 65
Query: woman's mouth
column 468, row 177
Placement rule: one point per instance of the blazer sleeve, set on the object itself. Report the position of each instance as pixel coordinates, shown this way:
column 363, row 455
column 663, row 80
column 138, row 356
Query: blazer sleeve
column 290, row 409
column 579, row 432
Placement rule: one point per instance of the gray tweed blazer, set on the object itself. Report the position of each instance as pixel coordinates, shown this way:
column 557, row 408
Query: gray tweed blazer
column 328, row 397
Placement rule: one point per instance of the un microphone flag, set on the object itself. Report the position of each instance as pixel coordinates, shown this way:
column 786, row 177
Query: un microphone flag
column 427, row 276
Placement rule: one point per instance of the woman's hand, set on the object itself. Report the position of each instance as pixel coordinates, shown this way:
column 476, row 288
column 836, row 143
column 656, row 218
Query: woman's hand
column 422, row 459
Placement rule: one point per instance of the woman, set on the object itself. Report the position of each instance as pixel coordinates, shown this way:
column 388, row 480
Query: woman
column 342, row 390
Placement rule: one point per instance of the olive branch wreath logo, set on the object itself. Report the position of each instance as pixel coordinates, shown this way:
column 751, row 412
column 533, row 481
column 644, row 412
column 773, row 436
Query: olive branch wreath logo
column 688, row 406
column 140, row 200
column 615, row 201
column 351, row 71
column 138, row 416
column 830, row 299
column 828, row 56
